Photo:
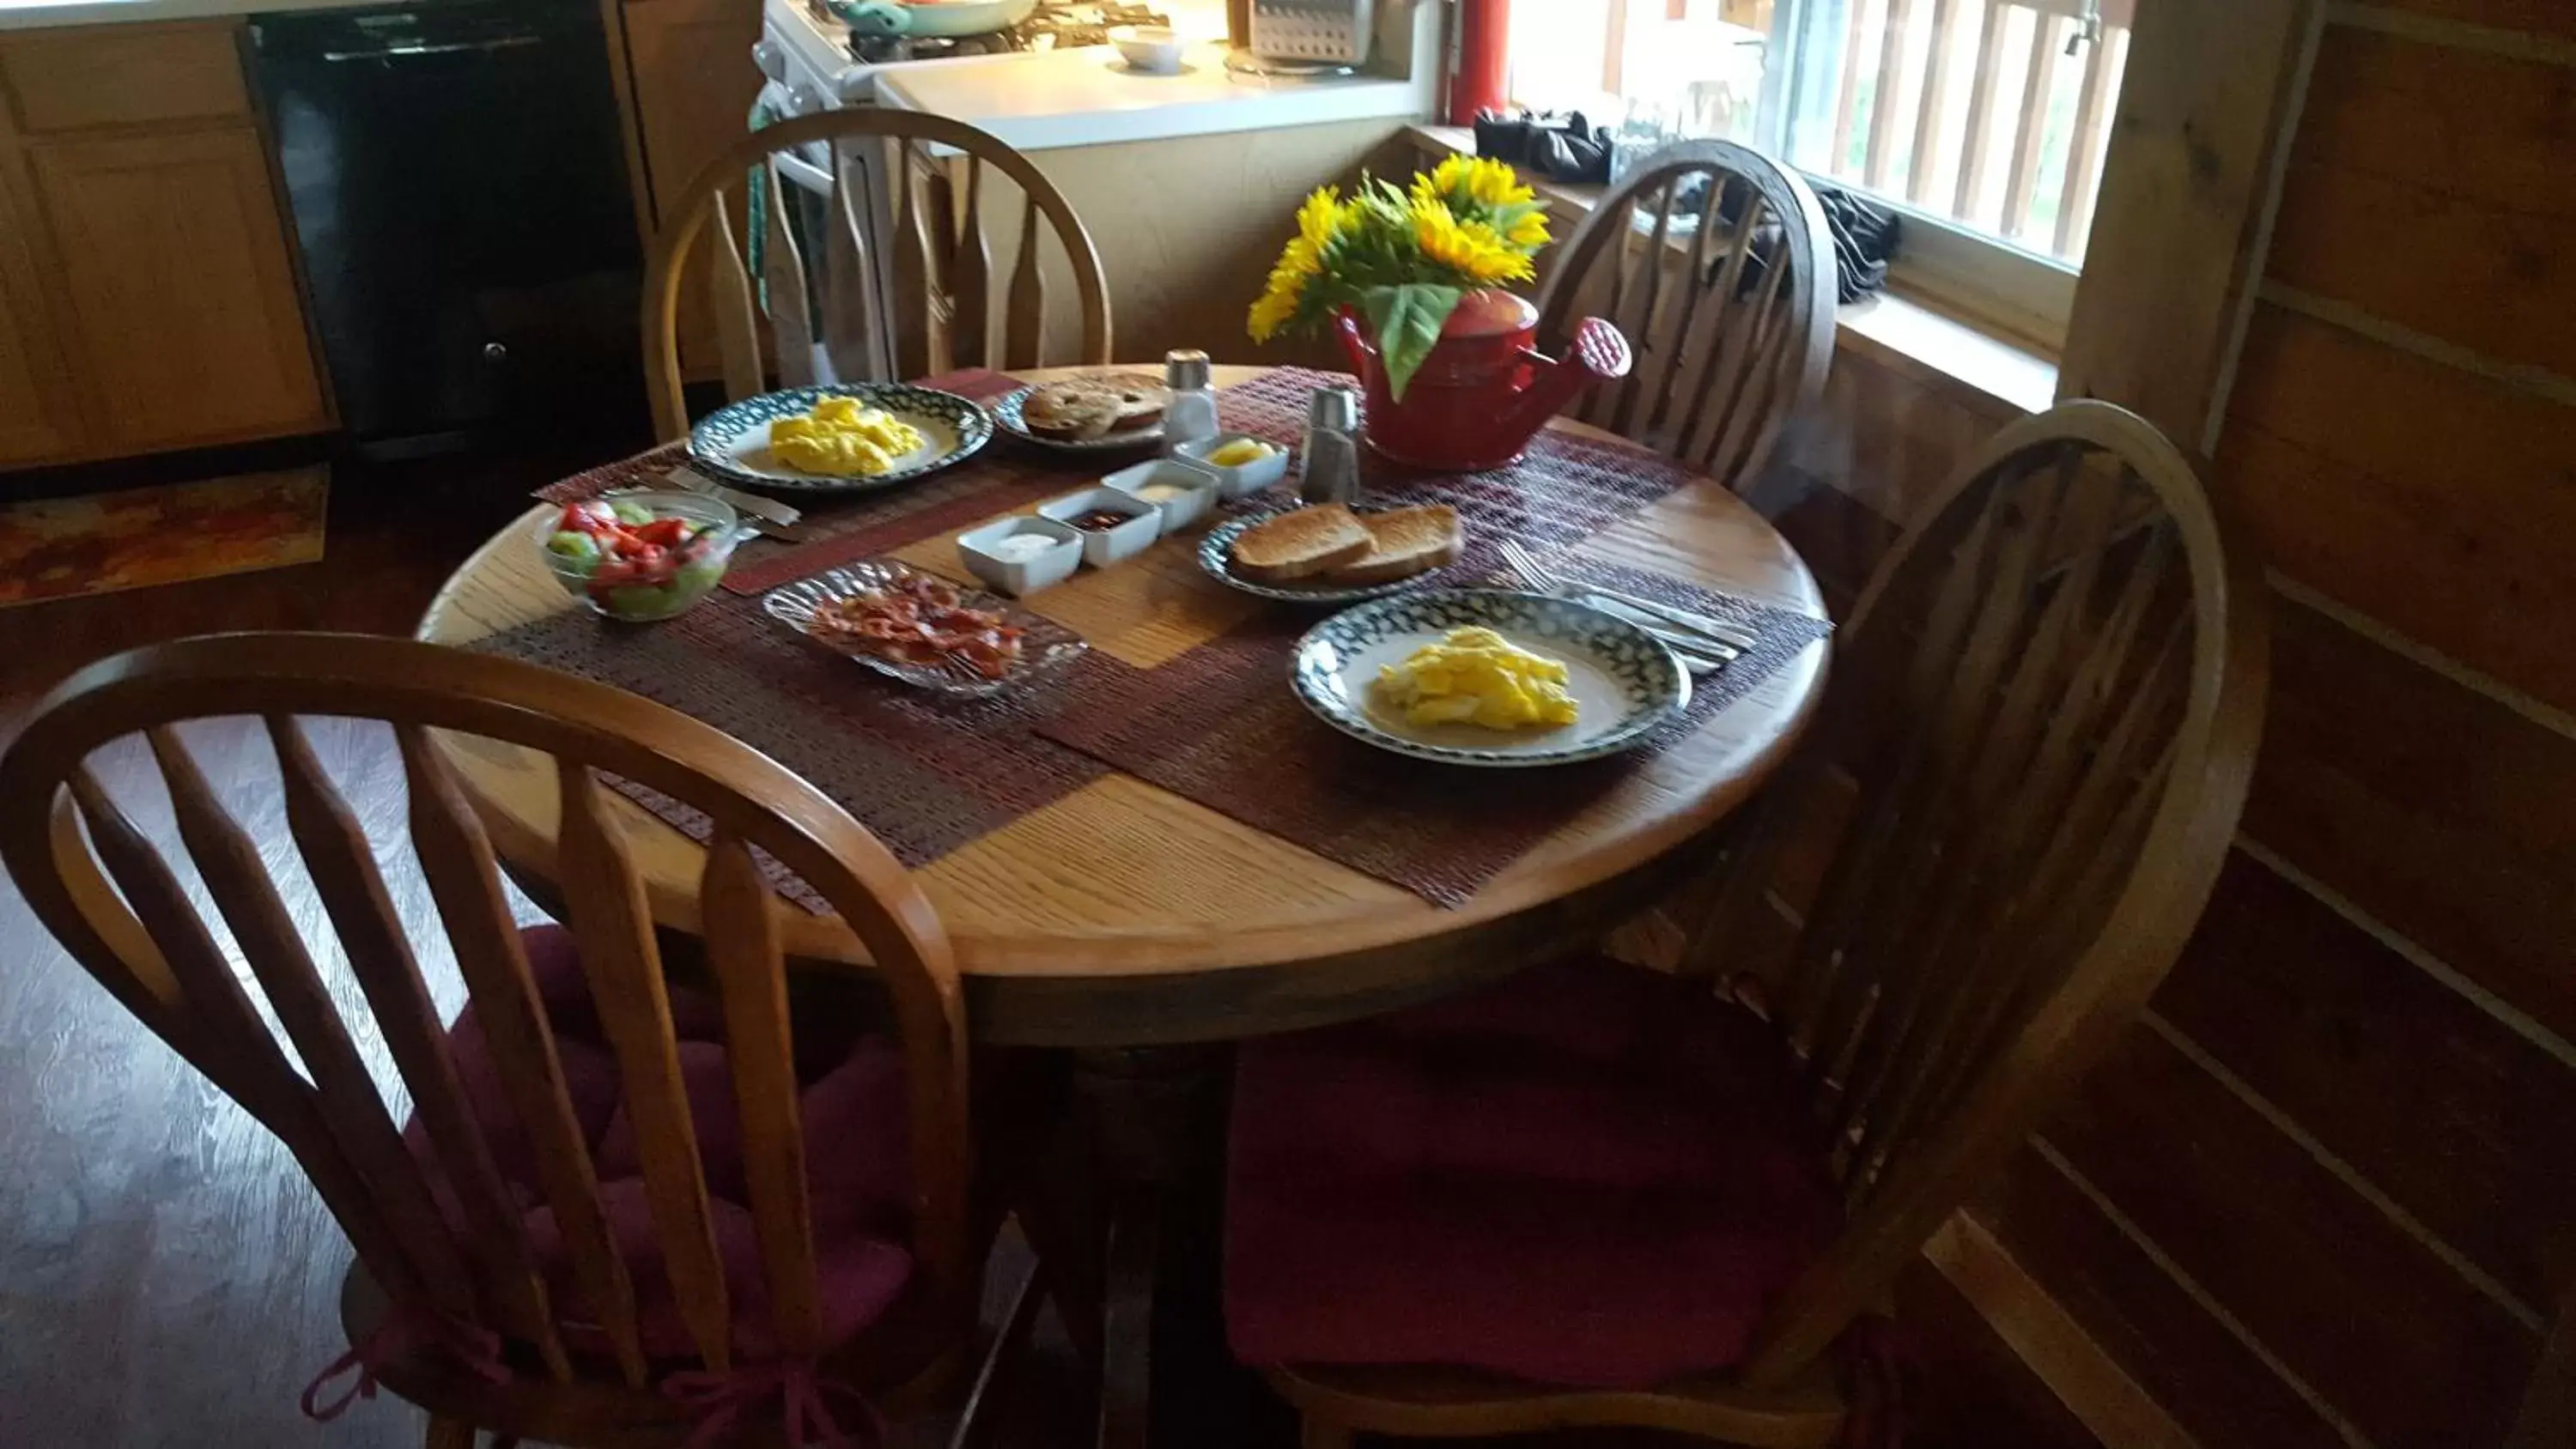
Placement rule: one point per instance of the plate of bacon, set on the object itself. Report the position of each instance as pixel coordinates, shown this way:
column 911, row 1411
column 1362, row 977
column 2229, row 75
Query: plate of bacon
column 922, row 629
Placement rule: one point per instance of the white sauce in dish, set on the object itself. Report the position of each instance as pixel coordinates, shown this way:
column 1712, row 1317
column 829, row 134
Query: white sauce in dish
column 1160, row 492
column 1022, row 547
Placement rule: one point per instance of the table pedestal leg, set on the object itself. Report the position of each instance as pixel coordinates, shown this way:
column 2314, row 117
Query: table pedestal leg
column 1098, row 1215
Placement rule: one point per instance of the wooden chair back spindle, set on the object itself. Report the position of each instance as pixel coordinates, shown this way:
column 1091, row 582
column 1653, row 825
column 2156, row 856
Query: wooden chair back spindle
column 113, row 900
column 889, row 275
column 1733, row 329
column 2044, row 717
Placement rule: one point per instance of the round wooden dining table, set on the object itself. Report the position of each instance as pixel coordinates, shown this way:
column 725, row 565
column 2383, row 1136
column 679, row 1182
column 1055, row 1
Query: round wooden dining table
column 1123, row 915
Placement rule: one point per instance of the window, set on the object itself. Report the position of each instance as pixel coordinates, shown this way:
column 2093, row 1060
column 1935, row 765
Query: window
column 1985, row 120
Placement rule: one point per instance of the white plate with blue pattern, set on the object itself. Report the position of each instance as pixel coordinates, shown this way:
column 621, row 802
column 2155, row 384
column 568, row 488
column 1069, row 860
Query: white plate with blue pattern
column 1624, row 683
column 731, row 444
column 1216, row 557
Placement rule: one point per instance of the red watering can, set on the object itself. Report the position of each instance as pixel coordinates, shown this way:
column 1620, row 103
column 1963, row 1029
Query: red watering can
column 1483, row 391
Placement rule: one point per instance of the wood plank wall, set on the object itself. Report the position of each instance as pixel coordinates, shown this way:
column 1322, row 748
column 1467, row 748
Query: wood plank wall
column 2326, row 1193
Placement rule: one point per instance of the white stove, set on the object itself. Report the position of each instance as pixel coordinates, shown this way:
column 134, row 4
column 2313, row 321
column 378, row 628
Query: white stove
column 814, row 63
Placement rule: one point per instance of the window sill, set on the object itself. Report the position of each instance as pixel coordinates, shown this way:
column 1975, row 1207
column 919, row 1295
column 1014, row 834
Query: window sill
column 1987, row 371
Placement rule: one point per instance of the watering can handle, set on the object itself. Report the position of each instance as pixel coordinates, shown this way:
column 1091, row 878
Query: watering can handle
column 1355, row 343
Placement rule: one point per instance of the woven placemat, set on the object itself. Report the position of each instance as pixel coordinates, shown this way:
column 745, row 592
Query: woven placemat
column 1219, row 725
column 840, row 530
column 926, row 772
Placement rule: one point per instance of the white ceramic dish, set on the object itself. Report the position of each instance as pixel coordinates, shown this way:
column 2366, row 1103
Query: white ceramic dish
column 1624, row 683
column 1153, row 49
column 1198, row 483
column 1240, row 480
column 1017, row 577
column 1102, row 547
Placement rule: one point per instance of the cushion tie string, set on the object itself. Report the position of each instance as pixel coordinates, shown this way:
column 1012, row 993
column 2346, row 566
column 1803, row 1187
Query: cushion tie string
column 1877, row 1364
column 718, row 1400
column 407, row 1329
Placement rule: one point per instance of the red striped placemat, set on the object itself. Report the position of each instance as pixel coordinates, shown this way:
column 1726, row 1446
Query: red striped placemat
column 1219, row 726
column 1216, row 724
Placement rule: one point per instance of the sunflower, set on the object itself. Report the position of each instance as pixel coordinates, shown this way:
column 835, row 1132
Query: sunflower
column 1479, row 180
column 1324, row 216
column 1474, row 250
column 1277, row 306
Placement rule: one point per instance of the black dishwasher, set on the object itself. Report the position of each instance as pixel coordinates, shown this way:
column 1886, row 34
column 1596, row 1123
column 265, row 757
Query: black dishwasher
column 459, row 193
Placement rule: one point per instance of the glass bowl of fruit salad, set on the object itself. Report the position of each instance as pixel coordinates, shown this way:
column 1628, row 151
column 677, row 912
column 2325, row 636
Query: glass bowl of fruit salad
column 640, row 556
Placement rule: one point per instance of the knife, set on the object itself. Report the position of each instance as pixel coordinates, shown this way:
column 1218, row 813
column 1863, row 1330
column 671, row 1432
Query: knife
column 1733, row 635
column 1724, row 651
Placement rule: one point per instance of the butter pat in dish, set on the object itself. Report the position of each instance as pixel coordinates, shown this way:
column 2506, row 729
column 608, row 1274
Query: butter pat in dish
column 1243, row 464
column 1183, row 491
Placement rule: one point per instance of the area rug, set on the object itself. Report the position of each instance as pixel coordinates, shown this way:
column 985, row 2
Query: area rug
column 57, row 548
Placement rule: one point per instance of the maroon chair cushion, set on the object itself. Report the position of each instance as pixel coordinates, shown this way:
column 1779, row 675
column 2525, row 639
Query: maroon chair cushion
column 858, row 1173
column 1588, row 1175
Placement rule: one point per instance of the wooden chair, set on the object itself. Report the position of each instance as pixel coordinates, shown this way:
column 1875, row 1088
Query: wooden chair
column 509, row 1274
column 1962, row 888
column 1733, row 323
column 873, row 259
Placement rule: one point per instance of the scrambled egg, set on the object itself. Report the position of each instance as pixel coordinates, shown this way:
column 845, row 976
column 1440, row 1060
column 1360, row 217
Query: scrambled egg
column 1476, row 676
column 1240, row 452
column 840, row 439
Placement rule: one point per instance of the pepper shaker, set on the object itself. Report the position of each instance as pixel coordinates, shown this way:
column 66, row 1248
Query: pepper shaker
column 1332, row 447
column 1190, row 417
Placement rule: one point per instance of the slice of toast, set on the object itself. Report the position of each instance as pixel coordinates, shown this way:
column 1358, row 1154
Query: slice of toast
column 1300, row 544
column 1404, row 542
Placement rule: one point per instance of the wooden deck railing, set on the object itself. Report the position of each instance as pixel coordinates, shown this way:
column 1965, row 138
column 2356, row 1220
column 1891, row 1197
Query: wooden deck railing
column 1994, row 113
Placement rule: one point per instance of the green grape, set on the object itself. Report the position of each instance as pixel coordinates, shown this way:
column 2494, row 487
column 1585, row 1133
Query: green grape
column 578, row 552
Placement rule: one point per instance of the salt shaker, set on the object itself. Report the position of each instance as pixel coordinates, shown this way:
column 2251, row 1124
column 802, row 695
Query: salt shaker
column 1332, row 447
column 1190, row 416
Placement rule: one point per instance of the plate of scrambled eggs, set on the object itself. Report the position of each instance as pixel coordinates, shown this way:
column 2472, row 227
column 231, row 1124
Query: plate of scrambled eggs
column 838, row 439
column 1486, row 677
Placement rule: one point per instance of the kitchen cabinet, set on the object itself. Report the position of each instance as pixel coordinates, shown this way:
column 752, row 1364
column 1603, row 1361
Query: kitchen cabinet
column 175, row 262
column 147, row 292
column 690, row 85
column 39, row 422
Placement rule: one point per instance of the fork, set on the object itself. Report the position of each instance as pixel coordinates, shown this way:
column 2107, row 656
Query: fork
column 1671, row 626
column 767, row 509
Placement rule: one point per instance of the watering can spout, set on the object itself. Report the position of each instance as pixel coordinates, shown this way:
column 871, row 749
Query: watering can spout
column 1599, row 353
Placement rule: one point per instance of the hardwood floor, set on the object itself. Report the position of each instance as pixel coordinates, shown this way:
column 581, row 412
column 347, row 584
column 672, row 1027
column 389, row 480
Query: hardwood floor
column 167, row 1277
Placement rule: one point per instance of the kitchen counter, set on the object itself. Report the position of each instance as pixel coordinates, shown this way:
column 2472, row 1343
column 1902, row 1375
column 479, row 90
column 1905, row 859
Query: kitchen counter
column 58, row 14
column 1059, row 99
column 1042, row 100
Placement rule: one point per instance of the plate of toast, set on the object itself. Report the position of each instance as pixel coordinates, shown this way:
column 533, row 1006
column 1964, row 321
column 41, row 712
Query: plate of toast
column 1328, row 553
column 1090, row 412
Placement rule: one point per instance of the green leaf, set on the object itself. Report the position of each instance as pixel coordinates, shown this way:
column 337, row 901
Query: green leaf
column 1407, row 320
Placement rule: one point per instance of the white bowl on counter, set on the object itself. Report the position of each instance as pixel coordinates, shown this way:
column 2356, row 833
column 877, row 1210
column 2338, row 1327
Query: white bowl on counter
column 1154, row 49
column 1240, row 480
column 1019, row 569
column 1183, row 490
column 1102, row 547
